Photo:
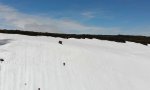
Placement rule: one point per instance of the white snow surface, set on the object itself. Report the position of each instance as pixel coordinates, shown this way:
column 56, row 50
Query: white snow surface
column 36, row 63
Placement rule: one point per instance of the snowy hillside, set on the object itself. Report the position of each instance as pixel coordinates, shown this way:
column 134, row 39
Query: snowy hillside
column 41, row 63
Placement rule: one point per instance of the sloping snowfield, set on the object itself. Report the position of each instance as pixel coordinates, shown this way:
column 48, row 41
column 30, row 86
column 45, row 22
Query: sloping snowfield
column 41, row 63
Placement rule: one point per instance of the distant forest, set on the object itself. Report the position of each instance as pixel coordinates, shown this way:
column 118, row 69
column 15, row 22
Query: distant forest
column 117, row 38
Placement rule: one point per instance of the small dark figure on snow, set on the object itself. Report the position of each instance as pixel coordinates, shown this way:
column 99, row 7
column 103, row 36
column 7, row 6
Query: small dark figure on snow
column 60, row 42
column 38, row 88
column 25, row 84
column 64, row 63
column 1, row 60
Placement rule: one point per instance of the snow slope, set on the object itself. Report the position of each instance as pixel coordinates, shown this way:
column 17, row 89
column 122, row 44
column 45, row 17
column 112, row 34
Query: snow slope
column 37, row 62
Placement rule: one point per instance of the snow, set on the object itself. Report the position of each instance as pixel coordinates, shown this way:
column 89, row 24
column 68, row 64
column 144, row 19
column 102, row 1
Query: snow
column 38, row 62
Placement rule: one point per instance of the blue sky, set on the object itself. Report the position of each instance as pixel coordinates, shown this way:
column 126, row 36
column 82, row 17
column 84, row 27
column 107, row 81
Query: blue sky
column 77, row 16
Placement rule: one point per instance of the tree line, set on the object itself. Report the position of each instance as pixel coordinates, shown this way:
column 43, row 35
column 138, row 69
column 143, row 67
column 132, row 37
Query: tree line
column 145, row 40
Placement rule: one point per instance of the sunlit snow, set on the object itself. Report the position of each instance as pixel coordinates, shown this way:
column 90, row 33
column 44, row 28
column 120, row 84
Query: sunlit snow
column 41, row 63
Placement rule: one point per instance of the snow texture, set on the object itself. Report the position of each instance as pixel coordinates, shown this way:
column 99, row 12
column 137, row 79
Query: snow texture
column 41, row 63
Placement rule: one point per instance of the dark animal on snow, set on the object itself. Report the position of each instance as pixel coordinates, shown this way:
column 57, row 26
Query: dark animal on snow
column 1, row 60
column 64, row 63
column 60, row 42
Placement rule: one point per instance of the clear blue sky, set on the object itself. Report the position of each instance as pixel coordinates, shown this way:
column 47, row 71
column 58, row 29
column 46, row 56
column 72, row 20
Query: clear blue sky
column 126, row 15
